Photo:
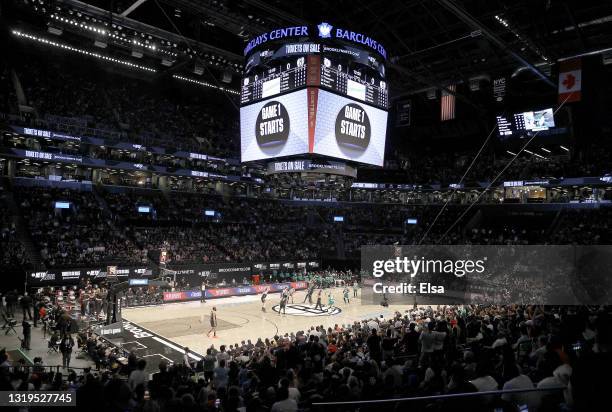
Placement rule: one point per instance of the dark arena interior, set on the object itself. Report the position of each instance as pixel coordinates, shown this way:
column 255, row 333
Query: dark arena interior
column 266, row 205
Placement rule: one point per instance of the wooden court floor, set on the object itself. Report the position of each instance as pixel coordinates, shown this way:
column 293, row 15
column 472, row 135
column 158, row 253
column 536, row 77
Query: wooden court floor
column 241, row 318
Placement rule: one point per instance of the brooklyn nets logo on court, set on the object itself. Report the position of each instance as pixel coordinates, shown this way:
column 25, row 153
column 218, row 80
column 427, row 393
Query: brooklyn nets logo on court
column 298, row 309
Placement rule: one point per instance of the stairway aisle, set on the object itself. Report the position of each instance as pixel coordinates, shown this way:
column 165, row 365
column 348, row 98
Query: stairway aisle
column 22, row 229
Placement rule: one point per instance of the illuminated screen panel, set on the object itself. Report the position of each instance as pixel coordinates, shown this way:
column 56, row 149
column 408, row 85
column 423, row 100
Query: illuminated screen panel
column 349, row 130
column 274, row 127
column 272, row 72
column 341, row 68
column 532, row 121
column 355, row 73
column 271, row 88
column 539, row 120
column 356, row 90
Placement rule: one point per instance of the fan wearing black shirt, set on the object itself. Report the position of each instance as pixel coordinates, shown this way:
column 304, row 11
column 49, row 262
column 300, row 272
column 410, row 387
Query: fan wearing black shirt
column 374, row 346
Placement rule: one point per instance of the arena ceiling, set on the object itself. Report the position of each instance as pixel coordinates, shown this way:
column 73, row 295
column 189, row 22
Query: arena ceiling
column 430, row 43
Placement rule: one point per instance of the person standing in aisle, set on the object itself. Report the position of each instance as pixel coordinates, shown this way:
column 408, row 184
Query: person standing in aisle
column 26, row 306
column 11, row 302
column 27, row 334
column 36, row 307
column 355, row 288
column 66, row 345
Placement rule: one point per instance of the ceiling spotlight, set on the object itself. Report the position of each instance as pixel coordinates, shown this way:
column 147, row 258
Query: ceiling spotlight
column 55, row 30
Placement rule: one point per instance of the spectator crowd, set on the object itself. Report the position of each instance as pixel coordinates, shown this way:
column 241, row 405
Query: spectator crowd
column 564, row 352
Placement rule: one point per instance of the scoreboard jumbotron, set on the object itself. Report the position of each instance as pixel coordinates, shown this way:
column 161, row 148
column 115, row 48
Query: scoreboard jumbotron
column 314, row 90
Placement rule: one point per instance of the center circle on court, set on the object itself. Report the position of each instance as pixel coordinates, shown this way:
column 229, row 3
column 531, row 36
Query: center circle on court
column 302, row 309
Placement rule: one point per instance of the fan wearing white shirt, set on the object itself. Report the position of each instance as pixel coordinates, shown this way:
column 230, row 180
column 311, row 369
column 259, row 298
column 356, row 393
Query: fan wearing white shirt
column 138, row 376
column 186, row 360
column 484, row 381
column 285, row 404
column 515, row 380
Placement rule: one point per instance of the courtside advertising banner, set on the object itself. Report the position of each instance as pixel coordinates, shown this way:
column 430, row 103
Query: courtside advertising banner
column 234, row 291
column 73, row 276
column 230, row 272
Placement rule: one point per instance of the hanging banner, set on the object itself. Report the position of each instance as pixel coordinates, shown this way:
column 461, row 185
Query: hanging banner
column 570, row 81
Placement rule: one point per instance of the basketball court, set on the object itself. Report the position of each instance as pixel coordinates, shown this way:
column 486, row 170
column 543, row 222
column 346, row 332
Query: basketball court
column 179, row 325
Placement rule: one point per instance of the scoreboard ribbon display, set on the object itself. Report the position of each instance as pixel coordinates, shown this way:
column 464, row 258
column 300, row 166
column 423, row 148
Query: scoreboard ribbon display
column 322, row 30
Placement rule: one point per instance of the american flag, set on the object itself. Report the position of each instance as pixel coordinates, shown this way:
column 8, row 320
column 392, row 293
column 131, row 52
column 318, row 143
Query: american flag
column 448, row 103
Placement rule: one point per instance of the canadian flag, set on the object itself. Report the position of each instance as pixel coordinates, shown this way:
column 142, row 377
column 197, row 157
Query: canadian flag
column 570, row 81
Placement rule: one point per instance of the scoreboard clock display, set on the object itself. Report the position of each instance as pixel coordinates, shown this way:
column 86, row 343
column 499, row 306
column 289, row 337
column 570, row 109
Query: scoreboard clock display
column 353, row 79
column 275, row 77
column 344, row 69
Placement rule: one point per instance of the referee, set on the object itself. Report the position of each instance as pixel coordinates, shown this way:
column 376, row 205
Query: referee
column 203, row 289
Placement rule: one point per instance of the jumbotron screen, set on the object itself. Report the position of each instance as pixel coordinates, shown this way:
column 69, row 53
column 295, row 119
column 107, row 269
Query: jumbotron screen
column 343, row 69
column 532, row 121
column 349, row 130
column 337, row 127
column 287, row 108
column 274, row 127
